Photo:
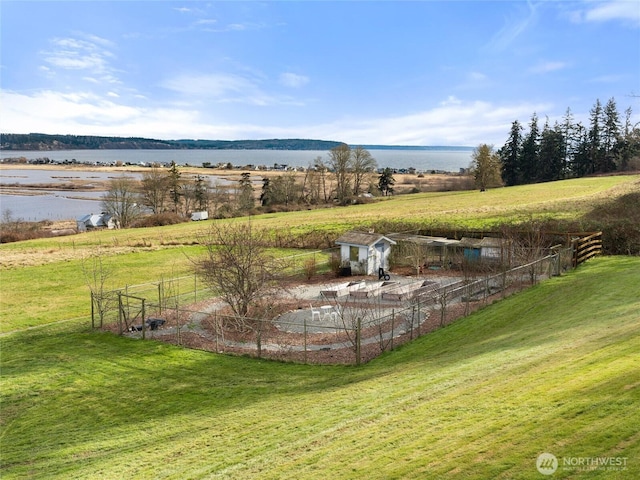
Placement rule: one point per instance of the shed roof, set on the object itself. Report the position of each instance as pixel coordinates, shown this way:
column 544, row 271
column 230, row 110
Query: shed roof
column 481, row 242
column 424, row 240
column 362, row 239
column 95, row 219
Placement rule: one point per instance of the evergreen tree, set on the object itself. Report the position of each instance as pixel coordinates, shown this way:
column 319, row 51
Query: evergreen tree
column 175, row 186
column 200, row 193
column 612, row 148
column 529, row 158
column 581, row 161
column 568, row 131
column 552, row 153
column 510, row 155
column 595, row 151
column 386, row 182
column 266, row 194
column 245, row 193
column 629, row 144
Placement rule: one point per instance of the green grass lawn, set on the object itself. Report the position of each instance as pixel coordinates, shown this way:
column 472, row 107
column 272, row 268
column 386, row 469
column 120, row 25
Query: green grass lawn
column 553, row 369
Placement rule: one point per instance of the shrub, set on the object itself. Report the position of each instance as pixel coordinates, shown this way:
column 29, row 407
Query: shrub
column 310, row 268
column 159, row 220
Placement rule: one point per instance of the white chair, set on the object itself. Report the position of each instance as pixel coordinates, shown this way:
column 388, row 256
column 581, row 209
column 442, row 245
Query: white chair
column 314, row 313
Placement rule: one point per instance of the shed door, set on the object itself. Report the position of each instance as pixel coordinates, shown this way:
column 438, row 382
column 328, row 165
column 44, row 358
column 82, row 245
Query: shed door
column 380, row 257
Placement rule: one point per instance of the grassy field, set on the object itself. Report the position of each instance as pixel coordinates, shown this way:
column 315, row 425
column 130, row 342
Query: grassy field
column 568, row 199
column 42, row 280
column 479, row 399
column 553, row 369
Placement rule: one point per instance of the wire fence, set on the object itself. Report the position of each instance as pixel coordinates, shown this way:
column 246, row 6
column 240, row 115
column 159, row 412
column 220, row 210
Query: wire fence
column 353, row 326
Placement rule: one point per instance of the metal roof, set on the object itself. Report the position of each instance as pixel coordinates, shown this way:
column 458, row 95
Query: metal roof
column 362, row 239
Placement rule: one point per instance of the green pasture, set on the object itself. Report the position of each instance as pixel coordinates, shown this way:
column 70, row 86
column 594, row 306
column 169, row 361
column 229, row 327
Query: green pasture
column 567, row 199
column 553, row 369
column 55, row 292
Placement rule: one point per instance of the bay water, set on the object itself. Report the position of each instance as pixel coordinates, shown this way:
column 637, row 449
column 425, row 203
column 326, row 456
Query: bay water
column 62, row 205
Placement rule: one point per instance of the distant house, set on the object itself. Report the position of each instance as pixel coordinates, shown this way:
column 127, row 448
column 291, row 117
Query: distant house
column 93, row 221
column 364, row 252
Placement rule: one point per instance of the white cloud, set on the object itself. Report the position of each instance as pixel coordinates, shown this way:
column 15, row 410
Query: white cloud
column 206, row 21
column 451, row 100
column 88, row 114
column 225, row 88
column 546, row 67
column 293, row 80
column 85, row 52
column 478, row 77
column 627, row 11
column 216, row 85
column 451, row 122
column 513, row 28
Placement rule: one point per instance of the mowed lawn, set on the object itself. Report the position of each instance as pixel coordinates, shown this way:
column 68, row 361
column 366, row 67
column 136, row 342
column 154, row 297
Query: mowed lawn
column 553, row 369
column 42, row 281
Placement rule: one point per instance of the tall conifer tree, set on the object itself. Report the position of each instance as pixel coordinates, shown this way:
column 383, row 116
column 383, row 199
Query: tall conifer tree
column 510, row 155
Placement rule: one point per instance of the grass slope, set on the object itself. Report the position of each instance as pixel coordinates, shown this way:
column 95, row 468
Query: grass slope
column 552, row 369
column 42, row 281
column 566, row 199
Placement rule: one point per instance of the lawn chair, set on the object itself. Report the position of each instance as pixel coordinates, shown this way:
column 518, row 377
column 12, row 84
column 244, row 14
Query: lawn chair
column 315, row 313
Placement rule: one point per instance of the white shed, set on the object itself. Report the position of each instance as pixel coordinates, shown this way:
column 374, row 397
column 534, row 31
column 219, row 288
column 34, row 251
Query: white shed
column 364, row 252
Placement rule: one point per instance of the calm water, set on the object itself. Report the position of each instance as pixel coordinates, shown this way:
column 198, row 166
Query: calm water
column 426, row 159
column 65, row 205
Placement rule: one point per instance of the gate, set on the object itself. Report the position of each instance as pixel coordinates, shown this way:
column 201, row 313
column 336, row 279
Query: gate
column 586, row 247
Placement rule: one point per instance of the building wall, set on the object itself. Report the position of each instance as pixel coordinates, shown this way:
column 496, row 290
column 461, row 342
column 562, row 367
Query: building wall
column 369, row 258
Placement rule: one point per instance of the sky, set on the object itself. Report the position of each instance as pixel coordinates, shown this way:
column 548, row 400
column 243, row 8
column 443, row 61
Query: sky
column 362, row 72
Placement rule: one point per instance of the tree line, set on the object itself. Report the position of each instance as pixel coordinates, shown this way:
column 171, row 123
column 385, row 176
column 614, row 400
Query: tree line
column 570, row 149
column 166, row 196
column 566, row 149
column 46, row 142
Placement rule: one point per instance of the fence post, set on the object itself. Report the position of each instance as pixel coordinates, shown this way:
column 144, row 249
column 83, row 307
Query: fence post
column 305, row 339
column 92, row 313
column 120, row 312
column 393, row 322
column 143, row 321
column 358, row 340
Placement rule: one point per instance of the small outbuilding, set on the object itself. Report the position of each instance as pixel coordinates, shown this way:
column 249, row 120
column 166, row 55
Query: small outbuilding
column 93, row 221
column 487, row 248
column 364, row 252
column 196, row 216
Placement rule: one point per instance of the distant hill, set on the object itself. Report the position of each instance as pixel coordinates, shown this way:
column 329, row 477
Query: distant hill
column 44, row 142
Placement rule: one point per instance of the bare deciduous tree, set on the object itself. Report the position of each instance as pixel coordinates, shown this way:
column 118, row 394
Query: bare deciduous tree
column 121, row 200
column 486, row 167
column 96, row 274
column 238, row 265
column 154, row 188
column 340, row 164
column 363, row 165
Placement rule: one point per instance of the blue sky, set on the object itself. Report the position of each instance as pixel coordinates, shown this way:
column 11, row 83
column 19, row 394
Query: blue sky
column 362, row 72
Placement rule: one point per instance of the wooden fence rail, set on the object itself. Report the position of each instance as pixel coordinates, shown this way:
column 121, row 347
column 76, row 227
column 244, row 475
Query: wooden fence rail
column 586, row 247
